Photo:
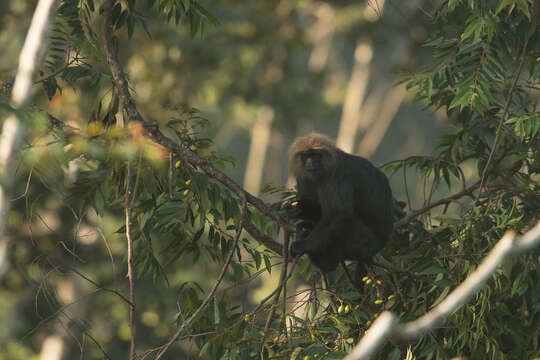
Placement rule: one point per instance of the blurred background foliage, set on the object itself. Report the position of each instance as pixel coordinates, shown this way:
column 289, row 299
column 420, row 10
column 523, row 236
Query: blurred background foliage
column 235, row 82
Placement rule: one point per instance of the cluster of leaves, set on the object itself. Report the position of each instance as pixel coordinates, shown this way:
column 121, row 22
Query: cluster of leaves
column 76, row 44
column 487, row 80
column 485, row 76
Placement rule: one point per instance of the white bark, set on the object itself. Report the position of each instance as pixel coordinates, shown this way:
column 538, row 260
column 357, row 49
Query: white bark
column 354, row 96
column 260, row 137
column 33, row 49
column 375, row 133
column 388, row 327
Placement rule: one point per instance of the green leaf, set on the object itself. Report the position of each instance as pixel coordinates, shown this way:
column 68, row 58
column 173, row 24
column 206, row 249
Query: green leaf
column 431, row 270
column 204, row 349
column 217, row 315
column 444, row 282
column 267, row 264
column 473, row 27
column 50, row 86
column 461, row 99
column 99, row 203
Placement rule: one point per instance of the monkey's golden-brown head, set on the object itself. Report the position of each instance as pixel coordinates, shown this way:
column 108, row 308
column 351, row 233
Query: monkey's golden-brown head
column 313, row 145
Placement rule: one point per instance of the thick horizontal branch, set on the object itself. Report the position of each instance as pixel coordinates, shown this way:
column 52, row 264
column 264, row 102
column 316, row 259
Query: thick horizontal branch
column 152, row 131
column 388, row 327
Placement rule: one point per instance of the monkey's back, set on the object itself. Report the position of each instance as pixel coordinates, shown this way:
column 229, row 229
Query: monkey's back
column 373, row 195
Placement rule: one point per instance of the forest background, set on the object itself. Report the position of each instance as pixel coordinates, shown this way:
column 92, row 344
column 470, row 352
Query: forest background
column 442, row 95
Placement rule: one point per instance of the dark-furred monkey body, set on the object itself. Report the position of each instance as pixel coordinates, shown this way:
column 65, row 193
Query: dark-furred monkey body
column 345, row 204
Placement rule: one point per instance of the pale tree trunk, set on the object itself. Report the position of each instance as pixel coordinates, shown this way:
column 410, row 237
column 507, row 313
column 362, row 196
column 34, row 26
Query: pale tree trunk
column 32, row 51
column 322, row 33
column 354, row 96
column 52, row 348
column 374, row 134
column 260, row 137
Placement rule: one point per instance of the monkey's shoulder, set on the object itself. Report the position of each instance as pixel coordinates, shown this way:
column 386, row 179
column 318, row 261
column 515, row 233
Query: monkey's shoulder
column 356, row 165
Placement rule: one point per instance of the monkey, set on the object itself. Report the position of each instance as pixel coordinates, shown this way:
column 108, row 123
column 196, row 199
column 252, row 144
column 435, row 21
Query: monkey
column 345, row 204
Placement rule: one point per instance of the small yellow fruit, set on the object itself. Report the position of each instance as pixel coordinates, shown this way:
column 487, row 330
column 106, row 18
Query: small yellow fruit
column 347, row 309
column 340, row 309
column 379, row 282
column 375, row 315
column 247, row 318
column 294, row 203
column 188, row 182
column 368, row 281
column 186, row 191
column 306, row 357
column 178, row 163
column 391, row 297
column 378, row 302
column 368, row 323
column 313, row 338
column 365, row 278
column 94, row 128
column 357, row 307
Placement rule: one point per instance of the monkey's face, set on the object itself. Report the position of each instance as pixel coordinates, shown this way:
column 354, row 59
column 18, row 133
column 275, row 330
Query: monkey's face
column 312, row 163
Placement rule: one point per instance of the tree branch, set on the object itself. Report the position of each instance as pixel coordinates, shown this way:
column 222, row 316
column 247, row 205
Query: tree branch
column 152, row 131
column 447, row 200
column 388, row 327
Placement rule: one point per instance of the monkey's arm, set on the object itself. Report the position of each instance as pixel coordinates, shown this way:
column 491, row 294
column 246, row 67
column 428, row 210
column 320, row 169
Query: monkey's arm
column 336, row 200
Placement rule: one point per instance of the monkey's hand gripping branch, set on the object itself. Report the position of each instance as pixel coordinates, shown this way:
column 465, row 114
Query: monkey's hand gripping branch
column 152, row 131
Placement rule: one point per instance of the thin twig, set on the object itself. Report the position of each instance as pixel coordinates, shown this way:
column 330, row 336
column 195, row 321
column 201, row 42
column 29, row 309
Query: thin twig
column 449, row 199
column 130, row 273
column 281, row 286
column 503, row 117
column 210, row 295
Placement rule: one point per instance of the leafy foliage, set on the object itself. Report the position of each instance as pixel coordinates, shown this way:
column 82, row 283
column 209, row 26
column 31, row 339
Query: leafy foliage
column 484, row 76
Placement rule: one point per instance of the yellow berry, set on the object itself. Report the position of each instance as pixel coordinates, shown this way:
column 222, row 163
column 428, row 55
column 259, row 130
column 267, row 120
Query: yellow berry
column 186, row 191
column 295, row 203
column 340, row 309
column 94, row 128
column 368, row 281
column 391, row 297
column 178, row 163
column 188, row 182
column 246, row 318
column 347, row 309
column 375, row 315
column 365, row 278
column 368, row 323
column 379, row 282
column 357, row 307
column 306, row 357
column 378, row 302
